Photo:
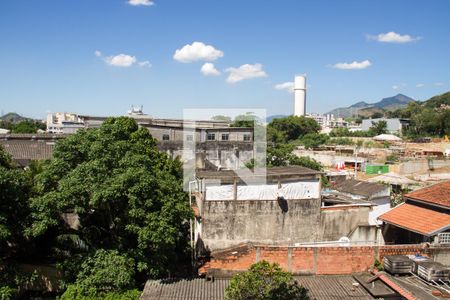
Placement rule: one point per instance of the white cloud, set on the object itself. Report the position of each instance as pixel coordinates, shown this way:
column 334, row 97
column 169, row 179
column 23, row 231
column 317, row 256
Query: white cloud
column 439, row 84
column 288, row 86
column 353, row 65
column 121, row 60
column 141, row 2
column 197, row 51
column 246, row 71
column 398, row 86
column 419, row 85
column 98, row 53
column 393, row 37
column 208, row 69
column 144, row 63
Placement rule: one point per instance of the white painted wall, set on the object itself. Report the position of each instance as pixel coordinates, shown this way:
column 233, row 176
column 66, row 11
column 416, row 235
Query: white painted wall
column 288, row 190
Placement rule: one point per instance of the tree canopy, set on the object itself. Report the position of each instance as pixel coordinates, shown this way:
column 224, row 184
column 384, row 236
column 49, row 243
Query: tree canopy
column 24, row 126
column 292, row 128
column 378, row 127
column 123, row 193
column 15, row 187
column 248, row 120
column 265, row 281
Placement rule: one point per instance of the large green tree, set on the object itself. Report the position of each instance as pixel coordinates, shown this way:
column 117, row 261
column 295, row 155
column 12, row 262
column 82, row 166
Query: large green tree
column 248, row 120
column 265, row 281
column 125, row 194
column 15, row 188
column 379, row 127
column 24, row 126
column 105, row 274
column 293, row 127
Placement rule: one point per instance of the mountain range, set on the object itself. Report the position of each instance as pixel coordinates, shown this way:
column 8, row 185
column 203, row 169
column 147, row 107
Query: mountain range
column 363, row 108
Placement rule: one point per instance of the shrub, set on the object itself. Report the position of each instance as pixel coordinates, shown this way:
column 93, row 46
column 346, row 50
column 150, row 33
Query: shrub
column 265, row 281
column 76, row 292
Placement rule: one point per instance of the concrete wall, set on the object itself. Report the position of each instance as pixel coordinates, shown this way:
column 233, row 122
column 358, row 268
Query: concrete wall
column 230, row 155
column 383, row 205
column 364, row 233
column 327, row 158
column 228, row 223
column 418, row 166
column 339, row 221
column 441, row 255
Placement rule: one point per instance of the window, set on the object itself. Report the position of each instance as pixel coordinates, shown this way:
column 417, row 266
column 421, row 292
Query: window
column 247, row 137
column 225, row 136
column 211, row 137
column 189, row 137
column 166, row 137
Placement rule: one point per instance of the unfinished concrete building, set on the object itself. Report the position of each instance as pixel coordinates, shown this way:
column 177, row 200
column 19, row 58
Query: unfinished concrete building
column 285, row 209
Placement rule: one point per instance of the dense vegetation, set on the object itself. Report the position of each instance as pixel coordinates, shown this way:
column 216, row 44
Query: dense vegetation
column 265, row 281
column 23, row 126
column 15, row 187
column 109, row 209
column 430, row 118
column 281, row 136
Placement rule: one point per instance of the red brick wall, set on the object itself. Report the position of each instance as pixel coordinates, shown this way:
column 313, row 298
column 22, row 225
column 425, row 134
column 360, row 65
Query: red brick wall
column 401, row 250
column 302, row 260
column 309, row 260
column 344, row 260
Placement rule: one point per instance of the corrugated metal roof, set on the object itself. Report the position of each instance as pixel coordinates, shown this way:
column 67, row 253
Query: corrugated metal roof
column 25, row 150
column 269, row 172
column 357, row 187
column 320, row 288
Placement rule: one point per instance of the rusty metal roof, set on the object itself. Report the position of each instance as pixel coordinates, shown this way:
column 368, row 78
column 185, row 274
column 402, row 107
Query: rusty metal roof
column 275, row 172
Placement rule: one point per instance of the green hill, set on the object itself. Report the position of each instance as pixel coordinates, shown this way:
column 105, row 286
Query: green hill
column 13, row 117
column 437, row 101
column 365, row 109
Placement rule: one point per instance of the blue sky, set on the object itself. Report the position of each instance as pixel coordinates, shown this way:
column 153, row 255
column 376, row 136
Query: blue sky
column 48, row 58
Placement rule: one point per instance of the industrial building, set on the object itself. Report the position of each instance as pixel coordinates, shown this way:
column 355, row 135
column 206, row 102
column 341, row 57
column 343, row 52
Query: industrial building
column 231, row 211
column 161, row 129
column 396, row 126
column 64, row 123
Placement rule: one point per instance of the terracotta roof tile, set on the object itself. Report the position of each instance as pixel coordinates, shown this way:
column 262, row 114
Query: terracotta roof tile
column 417, row 219
column 437, row 194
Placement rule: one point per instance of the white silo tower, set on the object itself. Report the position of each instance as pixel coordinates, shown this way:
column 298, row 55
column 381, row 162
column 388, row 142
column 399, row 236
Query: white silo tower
column 300, row 95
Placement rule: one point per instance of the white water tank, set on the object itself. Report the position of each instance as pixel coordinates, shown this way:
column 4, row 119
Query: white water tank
column 300, row 95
